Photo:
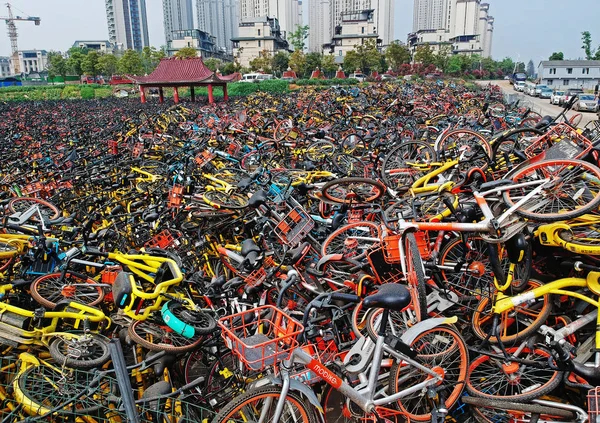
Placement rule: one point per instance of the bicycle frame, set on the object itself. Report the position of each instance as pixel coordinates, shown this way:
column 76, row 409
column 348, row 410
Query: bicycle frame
column 364, row 398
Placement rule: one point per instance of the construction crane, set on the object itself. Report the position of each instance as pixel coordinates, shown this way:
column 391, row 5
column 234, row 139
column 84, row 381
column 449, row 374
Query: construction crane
column 12, row 34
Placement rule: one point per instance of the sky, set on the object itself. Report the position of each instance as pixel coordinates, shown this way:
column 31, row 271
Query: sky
column 524, row 29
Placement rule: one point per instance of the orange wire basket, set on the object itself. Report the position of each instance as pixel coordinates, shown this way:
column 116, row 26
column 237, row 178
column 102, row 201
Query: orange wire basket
column 294, row 226
column 593, row 401
column 560, row 142
column 260, row 337
column 391, row 247
column 256, row 278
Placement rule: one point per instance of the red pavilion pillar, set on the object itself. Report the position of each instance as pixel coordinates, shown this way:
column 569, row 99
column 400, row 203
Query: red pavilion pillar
column 225, row 96
column 211, row 99
column 161, row 95
column 175, row 95
column 142, row 94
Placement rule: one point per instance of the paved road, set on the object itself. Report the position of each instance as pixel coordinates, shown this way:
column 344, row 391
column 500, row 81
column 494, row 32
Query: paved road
column 541, row 106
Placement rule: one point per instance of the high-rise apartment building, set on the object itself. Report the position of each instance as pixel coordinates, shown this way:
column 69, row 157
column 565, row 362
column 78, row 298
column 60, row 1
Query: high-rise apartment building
column 127, row 23
column 319, row 23
column 220, row 19
column 465, row 25
column 287, row 12
column 177, row 15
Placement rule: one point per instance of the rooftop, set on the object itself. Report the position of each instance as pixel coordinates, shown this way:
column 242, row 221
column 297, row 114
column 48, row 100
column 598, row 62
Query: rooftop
column 175, row 71
column 588, row 63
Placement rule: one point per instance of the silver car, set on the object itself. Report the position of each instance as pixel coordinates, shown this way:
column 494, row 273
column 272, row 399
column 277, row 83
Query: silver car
column 586, row 103
column 545, row 93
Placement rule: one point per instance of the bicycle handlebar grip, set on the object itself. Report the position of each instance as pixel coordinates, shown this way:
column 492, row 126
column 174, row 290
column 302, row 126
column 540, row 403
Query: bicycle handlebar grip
column 87, row 263
column 95, row 252
column 347, row 298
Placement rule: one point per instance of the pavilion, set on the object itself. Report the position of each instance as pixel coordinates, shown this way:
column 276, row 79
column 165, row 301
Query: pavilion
column 175, row 72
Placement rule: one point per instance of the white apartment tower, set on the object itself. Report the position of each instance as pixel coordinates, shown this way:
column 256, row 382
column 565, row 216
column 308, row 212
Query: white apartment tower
column 487, row 46
column 177, row 15
column 287, row 12
column 432, row 14
column 319, row 23
column 127, row 23
column 220, row 19
column 383, row 15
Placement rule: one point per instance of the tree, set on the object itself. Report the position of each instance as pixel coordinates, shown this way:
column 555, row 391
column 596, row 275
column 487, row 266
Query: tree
column 186, row 53
column 262, row 62
column 424, row 55
column 150, row 58
column 213, row 64
column 328, row 65
column 313, row 61
column 442, row 58
column 397, row 54
column 298, row 37
column 365, row 57
column 107, row 64
column 230, row 67
column 76, row 56
column 89, row 64
column 131, row 63
column 521, row 67
column 507, row 65
column 57, row 65
column 454, row 65
column 530, row 69
column 557, row 56
column 280, row 61
column 297, row 62
column 586, row 39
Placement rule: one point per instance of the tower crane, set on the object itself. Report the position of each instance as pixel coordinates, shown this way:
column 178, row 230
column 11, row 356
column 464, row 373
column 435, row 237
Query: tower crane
column 12, row 33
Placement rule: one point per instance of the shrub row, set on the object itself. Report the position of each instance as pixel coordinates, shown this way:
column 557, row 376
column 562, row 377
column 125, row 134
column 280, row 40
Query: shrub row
column 326, row 82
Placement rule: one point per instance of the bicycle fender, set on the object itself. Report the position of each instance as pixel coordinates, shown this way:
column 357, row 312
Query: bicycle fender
column 411, row 334
column 303, row 389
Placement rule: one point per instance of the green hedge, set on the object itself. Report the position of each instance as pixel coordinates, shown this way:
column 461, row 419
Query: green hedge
column 326, row 82
column 87, row 92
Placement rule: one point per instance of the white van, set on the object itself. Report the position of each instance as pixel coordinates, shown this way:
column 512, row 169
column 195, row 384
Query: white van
column 256, row 77
column 519, row 85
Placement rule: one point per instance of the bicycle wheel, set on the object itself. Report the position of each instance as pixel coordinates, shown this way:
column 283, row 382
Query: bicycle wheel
column 443, row 350
column 258, row 404
column 52, row 288
column 571, row 188
column 406, row 163
column 516, row 324
column 157, row 336
column 231, row 175
column 221, row 199
column 398, row 321
column 583, row 233
column 202, row 322
column 219, row 384
column 353, row 239
column 48, row 210
column 465, row 145
column 347, row 165
column 339, row 409
column 319, row 150
column 353, row 190
column 497, row 379
column 80, row 352
column 415, row 277
column 354, row 144
column 41, row 389
column 500, row 411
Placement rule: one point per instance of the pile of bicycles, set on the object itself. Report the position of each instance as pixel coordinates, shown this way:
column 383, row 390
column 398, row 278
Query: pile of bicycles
column 390, row 253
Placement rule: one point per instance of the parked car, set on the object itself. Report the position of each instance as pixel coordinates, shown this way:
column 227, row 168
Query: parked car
column 361, row 77
column 288, row 78
column 515, row 77
column 256, row 77
column 586, row 103
column 545, row 93
column 570, row 92
column 118, row 79
column 539, row 88
column 557, row 97
column 388, row 77
column 529, row 88
column 519, row 86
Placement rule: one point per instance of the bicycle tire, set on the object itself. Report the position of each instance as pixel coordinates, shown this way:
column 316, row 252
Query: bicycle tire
column 416, row 277
column 560, row 170
column 319, row 150
column 202, row 322
column 48, row 290
column 221, row 199
column 584, row 234
column 365, row 190
column 336, row 410
column 336, row 242
column 456, row 365
column 164, row 338
column 21, row 204
column 507, row 405
column 465, row 139
column 98, row 344
column 304, row 414
column 396, row 170
column 482, row 318
column 485, row 381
